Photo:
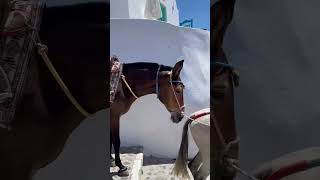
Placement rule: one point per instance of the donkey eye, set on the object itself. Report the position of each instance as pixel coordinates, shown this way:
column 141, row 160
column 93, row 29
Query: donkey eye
column 180, row 85
column 179, row 90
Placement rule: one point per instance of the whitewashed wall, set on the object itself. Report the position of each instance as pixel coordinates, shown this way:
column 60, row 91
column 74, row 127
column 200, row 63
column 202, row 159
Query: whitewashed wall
column 134, row 9
column 148, row 123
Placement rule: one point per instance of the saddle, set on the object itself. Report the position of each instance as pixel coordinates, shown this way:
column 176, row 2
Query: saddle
column 19, row 28
column 115, row 75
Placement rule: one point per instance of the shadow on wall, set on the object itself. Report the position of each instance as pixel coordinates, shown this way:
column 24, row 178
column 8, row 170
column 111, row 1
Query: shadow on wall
column 276, row 51
column 85, row 154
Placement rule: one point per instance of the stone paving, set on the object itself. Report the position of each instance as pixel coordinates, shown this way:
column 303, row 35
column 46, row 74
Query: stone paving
column 128, row 156
column 157, row 169
column 154, row 168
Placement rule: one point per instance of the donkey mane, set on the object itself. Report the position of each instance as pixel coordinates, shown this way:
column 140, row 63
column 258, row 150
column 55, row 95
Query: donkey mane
column 146, row 65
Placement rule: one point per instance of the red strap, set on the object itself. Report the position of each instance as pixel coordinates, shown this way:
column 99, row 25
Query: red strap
column 287, row 170
column 196, row 116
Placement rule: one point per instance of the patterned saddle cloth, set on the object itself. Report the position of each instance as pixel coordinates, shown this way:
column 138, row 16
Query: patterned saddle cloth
column 18, row 30
column 115, row 75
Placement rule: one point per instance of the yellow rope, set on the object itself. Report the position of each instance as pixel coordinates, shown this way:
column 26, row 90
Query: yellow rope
column 42, row 49
column 124, row 80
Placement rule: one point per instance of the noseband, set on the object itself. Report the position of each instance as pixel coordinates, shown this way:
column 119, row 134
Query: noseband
column 224, row 65
column 227, row 66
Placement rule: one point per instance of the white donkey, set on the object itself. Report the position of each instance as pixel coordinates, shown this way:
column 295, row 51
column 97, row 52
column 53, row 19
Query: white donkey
column 200, row 130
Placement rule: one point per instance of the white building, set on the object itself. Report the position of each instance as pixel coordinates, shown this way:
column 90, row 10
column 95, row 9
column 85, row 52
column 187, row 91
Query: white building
column 165, row 10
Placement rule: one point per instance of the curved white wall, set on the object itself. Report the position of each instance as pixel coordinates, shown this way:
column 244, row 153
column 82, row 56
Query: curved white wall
column 148, row 123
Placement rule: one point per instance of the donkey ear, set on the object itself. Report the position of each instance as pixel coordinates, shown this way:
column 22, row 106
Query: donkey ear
column 221, row 15
column 177, row 69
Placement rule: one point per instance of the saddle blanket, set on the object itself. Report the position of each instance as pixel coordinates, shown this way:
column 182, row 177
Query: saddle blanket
column 18, row 33
column 115, row 75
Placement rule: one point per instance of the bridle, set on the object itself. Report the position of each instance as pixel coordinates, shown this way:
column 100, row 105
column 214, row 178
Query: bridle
column 172, row 88
column 225, row 67
column 180, row 107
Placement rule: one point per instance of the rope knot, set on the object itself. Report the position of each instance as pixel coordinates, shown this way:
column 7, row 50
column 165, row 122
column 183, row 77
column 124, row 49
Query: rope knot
column 42, row 48
column 229, row 145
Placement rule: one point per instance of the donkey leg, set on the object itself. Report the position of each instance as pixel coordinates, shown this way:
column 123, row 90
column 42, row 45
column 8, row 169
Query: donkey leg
column 195, row 163
column 118, row 162
column 201, row 135
column 112, row 161
column 219, row 172
column 116, row 145
column 204, row 171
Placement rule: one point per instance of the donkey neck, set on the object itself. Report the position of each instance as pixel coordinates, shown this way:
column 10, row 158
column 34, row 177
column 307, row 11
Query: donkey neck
column 71, row 62
column 142, row 77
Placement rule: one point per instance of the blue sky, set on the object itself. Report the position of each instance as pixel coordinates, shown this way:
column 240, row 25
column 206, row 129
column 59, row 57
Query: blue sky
column 198, row 10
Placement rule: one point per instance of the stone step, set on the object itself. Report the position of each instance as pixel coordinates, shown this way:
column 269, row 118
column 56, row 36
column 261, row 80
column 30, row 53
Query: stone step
column 155, row 168
column 132, row 157
column 142, row 167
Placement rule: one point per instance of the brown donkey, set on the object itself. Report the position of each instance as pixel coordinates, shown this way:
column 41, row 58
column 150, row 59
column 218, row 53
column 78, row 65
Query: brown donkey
column 77, row 37
column 142, row 79
column 223, row 131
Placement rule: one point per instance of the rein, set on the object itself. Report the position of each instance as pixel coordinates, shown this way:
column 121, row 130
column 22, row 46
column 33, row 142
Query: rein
column 42, row 50
column 128, row 86
column 157, row 81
